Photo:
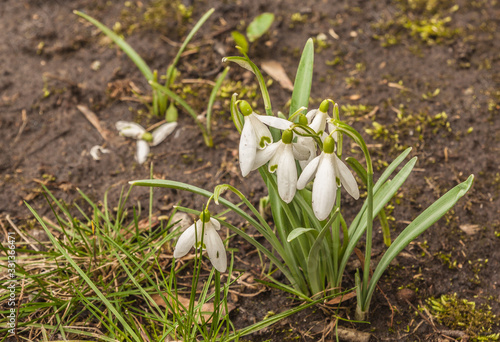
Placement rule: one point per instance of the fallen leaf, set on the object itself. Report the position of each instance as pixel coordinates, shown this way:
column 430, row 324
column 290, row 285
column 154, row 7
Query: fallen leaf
column 470, row 229
column 92, row 118
column 206, row 309
column 354, row 97
column 276, row 71
column 340, row 299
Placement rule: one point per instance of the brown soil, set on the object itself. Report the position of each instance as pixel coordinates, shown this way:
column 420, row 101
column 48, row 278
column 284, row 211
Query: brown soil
column 46, row 58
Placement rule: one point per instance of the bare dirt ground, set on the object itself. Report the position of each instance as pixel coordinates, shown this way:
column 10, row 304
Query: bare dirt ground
column 421, row 74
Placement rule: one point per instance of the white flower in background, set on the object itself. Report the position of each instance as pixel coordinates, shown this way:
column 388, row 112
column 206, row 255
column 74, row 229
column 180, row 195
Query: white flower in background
column 144, row 138
column 326, row 168
column 282, row 161
column 255, row 135
column 211, row 241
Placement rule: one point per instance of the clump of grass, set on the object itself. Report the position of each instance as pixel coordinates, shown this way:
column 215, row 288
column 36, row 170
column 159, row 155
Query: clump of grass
column 464, row 315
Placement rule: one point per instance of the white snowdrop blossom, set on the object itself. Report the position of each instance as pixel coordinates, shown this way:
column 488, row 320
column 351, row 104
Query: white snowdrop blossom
column 326, row 168
column 144, row 138
column 255, row 135
column 282, row 161
column 212, row 242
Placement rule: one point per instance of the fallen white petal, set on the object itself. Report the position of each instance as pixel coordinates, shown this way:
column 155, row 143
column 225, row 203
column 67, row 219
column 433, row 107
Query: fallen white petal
column 160, row 133
column 142, row 151
column 96, row 150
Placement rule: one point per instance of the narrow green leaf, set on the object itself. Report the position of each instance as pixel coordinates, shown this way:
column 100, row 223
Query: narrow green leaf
column 259, row 26
column 303, row 78
column 84, row 276
column 298, row 232
column 211, row 100
column 241, row 61
column 240, row 40
column 415, row 228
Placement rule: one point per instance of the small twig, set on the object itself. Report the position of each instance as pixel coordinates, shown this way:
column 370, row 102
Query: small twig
column 13, row 225
column 24, row 118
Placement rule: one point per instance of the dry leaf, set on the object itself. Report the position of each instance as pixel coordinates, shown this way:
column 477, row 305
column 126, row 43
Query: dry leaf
column 276, row 71
column 340, row 299
column 90, row 115
column 207, row 308
column 470, row 229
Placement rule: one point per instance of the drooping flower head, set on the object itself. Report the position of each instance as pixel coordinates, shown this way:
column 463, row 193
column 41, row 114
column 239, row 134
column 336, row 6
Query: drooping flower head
column 325, row 169
column 144, row 139
column 255, row 135
column 206, row 227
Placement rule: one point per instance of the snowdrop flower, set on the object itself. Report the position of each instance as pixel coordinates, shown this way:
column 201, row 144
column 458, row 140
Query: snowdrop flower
column 326, row 168
column 255, row 135
column 144, row 138
column 211, row 241
column 281, row 160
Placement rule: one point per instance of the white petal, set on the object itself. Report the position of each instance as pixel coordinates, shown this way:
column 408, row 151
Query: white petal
column 186, row 241
column 142, row 151
column 160, row 133
column 248, row 148
column 324, row 188
column 275, row 122
column 96, row 149
column 263, row 156
column 311, row 114
column 275, row 158
column 319, row 122
column 130, row 129
column 215, row 223
column 215, row 248
column 262, row 134
column 308, row 173
column 287, row 174
column 346, row 178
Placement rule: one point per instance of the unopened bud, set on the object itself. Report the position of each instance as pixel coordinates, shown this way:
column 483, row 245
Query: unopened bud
column 329, row 145
column 245, row 108
column 287, row 136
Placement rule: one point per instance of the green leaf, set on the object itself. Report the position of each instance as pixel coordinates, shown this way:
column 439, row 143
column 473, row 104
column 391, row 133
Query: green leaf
column 259, row 26
column 240, row 40
column 414, row 229
column 298, row 232
column 303, row 78
column 241, row 61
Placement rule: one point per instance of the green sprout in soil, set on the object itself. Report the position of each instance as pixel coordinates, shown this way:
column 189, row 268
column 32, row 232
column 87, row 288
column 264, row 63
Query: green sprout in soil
column 163, row 93
column 460, row 314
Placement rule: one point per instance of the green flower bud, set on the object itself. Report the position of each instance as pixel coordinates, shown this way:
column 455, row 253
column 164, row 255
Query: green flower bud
column 303, row 120
column 324, row 106
column 245, row 108
column 147, row 137
column 287, row 136
column 329, row 145
column 205, row 216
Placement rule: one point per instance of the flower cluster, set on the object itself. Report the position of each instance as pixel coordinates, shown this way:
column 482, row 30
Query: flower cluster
column 329, row 172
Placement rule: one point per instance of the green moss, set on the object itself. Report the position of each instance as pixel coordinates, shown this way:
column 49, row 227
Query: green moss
column 460, row 314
